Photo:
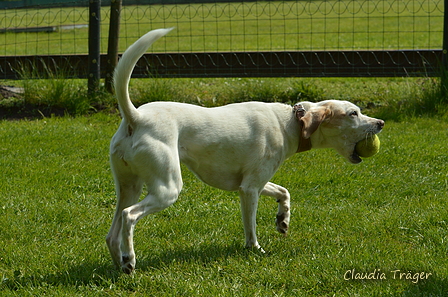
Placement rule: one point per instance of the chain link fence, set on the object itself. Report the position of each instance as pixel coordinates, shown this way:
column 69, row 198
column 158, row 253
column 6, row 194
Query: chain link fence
column 275, row 38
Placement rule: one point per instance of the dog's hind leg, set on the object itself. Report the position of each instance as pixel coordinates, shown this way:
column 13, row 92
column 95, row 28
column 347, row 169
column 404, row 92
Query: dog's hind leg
column 283, row 199
column 128, row 188
column 163, row 189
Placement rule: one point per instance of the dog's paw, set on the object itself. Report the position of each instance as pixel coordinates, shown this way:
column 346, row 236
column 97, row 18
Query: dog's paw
column 256, row 248
column 282, row 223
column 127, row 264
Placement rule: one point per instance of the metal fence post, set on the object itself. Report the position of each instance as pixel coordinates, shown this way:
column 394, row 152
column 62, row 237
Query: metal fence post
column 94, row 46
column 112, row 48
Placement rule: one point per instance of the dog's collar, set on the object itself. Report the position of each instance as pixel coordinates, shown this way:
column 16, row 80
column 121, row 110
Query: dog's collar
column 304, row 143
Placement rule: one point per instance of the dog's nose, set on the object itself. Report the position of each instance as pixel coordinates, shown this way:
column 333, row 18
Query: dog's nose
column 380, row 124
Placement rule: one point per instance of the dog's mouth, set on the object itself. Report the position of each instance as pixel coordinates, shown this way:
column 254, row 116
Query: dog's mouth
column 350, row 153
column 354, row 157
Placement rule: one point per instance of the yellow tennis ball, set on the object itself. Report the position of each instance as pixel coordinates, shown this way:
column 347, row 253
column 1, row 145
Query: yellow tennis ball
column 368, row 147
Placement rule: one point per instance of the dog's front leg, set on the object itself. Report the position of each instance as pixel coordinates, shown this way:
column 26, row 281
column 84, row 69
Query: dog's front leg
column 249, row 203
column 283, row 198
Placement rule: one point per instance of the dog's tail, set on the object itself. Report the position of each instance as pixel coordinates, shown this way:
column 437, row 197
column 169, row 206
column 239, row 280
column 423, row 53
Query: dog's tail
column 124, row 69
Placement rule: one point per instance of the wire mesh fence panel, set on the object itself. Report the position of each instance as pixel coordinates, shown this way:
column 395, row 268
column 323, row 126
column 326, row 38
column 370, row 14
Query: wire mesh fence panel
column 293, row 25
column 236, row 27
column 44, row 31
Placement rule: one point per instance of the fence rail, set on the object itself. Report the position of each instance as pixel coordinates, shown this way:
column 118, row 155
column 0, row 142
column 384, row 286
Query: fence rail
column 245, row 39
column 245, row 64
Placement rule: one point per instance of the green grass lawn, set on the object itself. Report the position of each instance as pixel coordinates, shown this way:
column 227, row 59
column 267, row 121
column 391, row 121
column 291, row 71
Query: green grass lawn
column 245, row 26
column 386, row 214
column 386, row 217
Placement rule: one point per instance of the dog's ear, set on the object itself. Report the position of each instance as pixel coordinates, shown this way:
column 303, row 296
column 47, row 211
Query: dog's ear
column 312, row 120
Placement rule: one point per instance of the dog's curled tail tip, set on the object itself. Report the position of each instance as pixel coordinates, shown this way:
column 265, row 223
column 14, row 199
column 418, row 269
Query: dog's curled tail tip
column 162, row 32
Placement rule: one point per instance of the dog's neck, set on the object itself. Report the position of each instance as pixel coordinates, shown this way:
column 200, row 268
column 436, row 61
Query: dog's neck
column 304, row 143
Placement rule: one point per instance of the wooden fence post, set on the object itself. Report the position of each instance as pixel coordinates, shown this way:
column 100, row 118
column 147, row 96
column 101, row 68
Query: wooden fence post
column 112, row 48
column 94, row 46
column 444, row 68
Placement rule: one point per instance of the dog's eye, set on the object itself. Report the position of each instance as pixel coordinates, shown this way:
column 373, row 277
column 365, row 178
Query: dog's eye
column 354, row 114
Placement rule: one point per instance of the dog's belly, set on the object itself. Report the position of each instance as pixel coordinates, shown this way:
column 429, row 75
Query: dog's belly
column 221, row 177
column 227, row 164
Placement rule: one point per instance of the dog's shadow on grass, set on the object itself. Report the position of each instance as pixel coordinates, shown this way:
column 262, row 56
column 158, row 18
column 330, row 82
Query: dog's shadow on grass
column 105, row 274
column 192, row 254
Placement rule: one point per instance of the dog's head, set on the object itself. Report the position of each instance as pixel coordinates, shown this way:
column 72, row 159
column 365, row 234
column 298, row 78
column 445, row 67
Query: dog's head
column 338, row 125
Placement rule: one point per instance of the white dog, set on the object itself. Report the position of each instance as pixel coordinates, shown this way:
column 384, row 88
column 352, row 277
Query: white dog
column 237, row 147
